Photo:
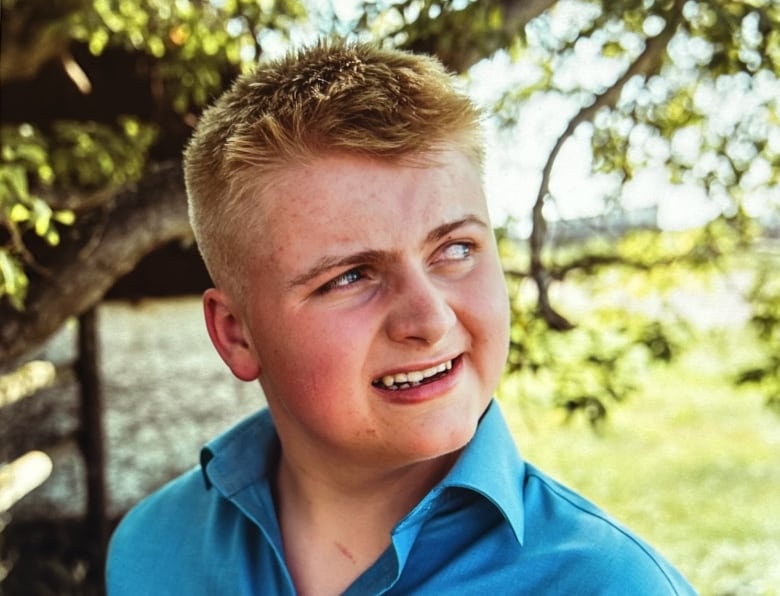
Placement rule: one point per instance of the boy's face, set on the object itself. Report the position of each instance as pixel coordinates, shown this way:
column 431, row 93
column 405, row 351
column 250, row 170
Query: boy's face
column 361, row 273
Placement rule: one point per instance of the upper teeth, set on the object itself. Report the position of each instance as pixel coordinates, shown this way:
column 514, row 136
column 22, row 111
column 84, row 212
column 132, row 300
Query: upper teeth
column 415, row 376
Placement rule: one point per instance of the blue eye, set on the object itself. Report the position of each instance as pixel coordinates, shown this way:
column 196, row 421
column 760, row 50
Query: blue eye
column 342, row 281
column 458, row 251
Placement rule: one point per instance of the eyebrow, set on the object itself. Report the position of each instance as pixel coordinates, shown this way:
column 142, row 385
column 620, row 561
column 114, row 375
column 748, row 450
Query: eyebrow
column 441, row 231
column 378, row 256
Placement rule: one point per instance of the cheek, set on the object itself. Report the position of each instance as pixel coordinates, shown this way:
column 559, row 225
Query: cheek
column 498, row 336
column 491, row 311
column 322, row 362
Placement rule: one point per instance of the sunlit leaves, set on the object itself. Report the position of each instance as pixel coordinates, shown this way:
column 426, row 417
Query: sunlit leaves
column 195, row 42
column 456, row 31
column 601, row 361
column 24, row 159
column 13, row 279
column 76, row 155
column 765, row 322
column 630, row 297
column 716, row 129
column 88, row 155
column 192, row 48
column 708, row 113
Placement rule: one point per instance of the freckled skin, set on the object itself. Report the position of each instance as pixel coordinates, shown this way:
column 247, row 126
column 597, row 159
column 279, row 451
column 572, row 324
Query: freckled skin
column 426, row 301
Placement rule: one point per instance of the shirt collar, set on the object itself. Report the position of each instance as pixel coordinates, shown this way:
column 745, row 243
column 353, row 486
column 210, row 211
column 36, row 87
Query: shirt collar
column 229, row 461
column 489, row 465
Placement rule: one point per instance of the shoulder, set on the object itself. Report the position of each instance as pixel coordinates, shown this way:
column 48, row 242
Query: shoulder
column 159, row 534
column 165, row 509
column 608, row 557
column 221, row 510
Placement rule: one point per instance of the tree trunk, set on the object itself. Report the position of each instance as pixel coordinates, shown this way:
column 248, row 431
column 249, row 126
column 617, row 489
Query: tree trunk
column 92, row 442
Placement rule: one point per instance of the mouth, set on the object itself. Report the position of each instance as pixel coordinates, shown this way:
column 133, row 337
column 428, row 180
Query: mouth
column 414, row 378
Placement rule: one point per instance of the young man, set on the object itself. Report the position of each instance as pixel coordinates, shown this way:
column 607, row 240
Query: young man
column 336, row 198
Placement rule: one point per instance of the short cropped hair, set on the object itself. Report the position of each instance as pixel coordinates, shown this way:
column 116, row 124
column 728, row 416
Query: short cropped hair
column 330, row 98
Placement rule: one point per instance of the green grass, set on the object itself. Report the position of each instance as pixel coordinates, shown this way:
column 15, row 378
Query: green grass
column 690, row 463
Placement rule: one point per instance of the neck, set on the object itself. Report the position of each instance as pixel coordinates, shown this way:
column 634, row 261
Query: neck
column 388, row 493
column 335, row 525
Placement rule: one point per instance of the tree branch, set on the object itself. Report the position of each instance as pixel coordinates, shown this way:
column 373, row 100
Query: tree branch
column 461, row 47
column 647, row 63
column 105, row 244
column 591, row 263
column 33, row 34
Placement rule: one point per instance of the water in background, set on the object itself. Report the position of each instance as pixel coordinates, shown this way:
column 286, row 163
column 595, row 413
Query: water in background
column 166, row 393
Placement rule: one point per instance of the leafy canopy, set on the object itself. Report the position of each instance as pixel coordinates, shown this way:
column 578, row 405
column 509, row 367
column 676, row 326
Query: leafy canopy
column 685, row 87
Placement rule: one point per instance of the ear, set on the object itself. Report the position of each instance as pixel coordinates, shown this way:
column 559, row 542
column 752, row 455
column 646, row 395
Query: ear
column 229, row 336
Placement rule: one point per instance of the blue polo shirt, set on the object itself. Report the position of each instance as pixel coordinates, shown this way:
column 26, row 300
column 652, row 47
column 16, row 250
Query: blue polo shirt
column 494, row 525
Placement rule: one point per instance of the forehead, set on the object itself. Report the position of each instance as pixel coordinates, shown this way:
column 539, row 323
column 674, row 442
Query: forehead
column 344, row 188
column 348, row 203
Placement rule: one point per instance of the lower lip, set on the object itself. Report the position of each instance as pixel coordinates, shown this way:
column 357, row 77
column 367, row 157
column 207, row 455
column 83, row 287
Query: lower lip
column 426, row 391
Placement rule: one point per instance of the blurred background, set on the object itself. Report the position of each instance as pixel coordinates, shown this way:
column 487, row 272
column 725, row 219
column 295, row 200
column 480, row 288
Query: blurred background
column 632, row 174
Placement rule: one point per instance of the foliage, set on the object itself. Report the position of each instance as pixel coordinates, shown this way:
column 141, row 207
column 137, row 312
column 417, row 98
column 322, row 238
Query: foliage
column 691, row 88
column 24, row 156
column 688, row 87
column 82, row 156
column 691, row 465
column 190, row 52
column 724, row 55
column 192, row 41
column 98, row 95
column 621, row 293
column 765, row 322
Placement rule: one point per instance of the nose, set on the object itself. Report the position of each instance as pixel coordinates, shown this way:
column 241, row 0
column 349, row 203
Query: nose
column 420, row 311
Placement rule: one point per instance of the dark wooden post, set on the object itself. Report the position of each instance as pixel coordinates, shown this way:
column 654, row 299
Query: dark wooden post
column 92, row 440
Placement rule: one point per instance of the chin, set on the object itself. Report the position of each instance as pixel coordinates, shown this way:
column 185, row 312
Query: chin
column 445, row 441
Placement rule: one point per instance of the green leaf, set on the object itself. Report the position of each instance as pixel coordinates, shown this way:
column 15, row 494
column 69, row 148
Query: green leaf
column 19, row 213
column 65, row 217
column 13, row 281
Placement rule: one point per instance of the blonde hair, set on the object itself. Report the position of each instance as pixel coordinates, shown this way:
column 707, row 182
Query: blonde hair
column 333, row 97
